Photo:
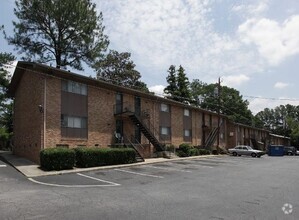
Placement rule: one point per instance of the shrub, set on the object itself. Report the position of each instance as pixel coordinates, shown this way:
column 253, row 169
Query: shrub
column 180, row 153
column 91, row 157
column 194, row 152
column 204, row 152
column 170, row 147
column 184, row 150
column 57, row 159
column 215, row 152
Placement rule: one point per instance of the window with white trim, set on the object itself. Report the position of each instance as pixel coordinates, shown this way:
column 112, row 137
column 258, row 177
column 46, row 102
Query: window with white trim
column 187, row 133
column 186, row 112
column 74, row 87
column 165, row 130
column 73, row 122
column 164, row 107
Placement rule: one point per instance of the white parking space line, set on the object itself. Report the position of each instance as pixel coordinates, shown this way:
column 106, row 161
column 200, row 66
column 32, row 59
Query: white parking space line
column 3, row 165
column 140, row 174
column 77, row 186
column 192, row 165
column 97, row 179
column 199, row 165
column 67, row 186
column 170, row 169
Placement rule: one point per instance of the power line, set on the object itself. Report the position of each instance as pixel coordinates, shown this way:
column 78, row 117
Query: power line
column 275, row 99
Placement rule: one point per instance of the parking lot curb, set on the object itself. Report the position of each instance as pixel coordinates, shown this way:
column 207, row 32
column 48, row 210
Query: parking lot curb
column 32, row 170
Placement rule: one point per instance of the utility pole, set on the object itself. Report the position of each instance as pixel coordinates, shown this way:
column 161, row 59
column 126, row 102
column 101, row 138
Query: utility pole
column 218, row 113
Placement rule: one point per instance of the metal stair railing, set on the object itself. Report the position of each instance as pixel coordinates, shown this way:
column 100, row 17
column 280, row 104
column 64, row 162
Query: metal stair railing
column 152, row 132
column 211, row 137
column 254, row 143
column 130, row 144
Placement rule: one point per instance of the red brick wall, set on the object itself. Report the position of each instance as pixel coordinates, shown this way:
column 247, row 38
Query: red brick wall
column 177, row 125
column 101, row 121
column 53, row 112
column 28, row 120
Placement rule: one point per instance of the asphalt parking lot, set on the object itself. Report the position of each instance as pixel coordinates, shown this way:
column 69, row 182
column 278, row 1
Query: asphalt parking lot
column 212, row 188
column 148, row 173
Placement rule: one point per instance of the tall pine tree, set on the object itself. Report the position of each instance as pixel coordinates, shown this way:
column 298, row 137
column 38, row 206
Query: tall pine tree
column 171, row 89
column 67, row 32
column 178, row 85
column 184, row 94
column 118, row 68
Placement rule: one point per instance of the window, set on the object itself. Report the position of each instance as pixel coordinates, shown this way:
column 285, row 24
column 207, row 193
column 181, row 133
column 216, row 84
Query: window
column 164, row 108
column 73, row 122
column 187, row 133
column 186, row 112
column 165, row 130
column 74, row 87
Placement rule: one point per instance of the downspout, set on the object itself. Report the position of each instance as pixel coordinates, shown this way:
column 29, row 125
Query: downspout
column 45, row 110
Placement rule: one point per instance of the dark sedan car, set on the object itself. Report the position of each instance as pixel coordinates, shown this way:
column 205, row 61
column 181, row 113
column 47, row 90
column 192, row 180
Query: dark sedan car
column 291, row 151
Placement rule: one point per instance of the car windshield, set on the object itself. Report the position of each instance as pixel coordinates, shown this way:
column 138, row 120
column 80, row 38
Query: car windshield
column 249, row 148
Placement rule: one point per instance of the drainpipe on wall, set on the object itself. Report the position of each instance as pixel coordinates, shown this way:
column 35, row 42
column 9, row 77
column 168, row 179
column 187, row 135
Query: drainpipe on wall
column 44, row 112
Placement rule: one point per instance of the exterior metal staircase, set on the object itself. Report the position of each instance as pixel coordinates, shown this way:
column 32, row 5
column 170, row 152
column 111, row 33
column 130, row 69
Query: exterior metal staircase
column 254, row 143
column 211, row 138
column 129, row 144
column 146, row 132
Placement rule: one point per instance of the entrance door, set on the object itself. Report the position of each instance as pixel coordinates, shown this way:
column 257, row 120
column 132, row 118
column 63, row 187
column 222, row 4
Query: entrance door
column 119, row 103
column 137, row 105
column 138, row 113
column 137, row 135
column 119, row 131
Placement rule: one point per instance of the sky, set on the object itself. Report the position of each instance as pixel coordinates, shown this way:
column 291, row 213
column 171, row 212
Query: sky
column 252, row 45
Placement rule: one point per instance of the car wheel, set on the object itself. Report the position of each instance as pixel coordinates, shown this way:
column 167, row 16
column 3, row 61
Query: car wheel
column 234, row 154
column 253, row 154
column 290, row 154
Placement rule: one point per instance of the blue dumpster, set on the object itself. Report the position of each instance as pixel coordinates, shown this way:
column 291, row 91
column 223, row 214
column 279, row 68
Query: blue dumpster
column 275, row 150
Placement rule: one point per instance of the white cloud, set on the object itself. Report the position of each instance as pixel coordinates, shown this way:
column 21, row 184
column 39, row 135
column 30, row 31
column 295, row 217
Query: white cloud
column 280, row 85
column 157, row 89
column 259, row 104
column 180, row 32
column 275, row 42
column 251, row 9
column 235, row 80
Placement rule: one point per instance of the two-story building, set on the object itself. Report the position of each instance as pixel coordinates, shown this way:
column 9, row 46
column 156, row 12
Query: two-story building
column 57, row 108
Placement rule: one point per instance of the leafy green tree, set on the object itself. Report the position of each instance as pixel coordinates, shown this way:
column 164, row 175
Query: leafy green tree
column 118, row 68
column 198, row 90
column 6, row 108
column 265, row 118
column 231, row 102
column 67, row 32
column 171, row 90
column 294, row 128
column 277, row 120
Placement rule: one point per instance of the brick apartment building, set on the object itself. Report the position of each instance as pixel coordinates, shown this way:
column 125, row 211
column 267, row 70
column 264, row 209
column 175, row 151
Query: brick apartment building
column 57, row 108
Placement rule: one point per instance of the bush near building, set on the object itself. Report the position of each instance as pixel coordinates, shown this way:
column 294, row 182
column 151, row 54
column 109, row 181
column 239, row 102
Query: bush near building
column 91, row 157
column 187, row 150
column 63, row 158
column 57, row 159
